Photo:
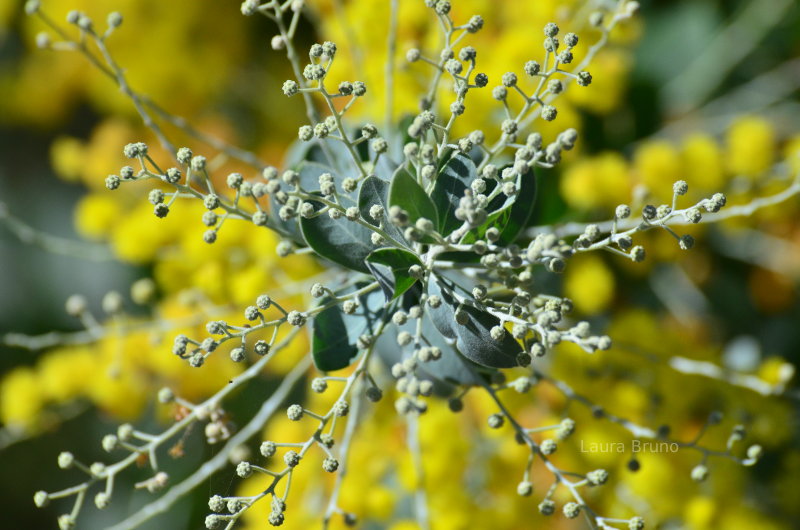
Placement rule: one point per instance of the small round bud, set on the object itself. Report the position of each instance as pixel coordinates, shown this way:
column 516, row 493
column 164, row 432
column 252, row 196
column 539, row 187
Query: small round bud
column 165, row 395
column 496, row 421
column 551, row 29
column 359, row 88
column 455, row 404
column 294, row 412
column 65, row 460
column 509, row 79
column 548, row 447
column 244, row 470
column 113, row 182
column 636, row 523
column 571, row 40
column 532, row 68
column 296, row 318
column 237, row 355
column 524, row 488
column 497, row 333
column 267, row 449
column 699, row 473
column 597, row 477
column 263, row 302
column 330, row 465
column 572, row 510
column 374, row 394
column 754, row 452
column 110, row 442
column 41, row 499
column 291, row 459
column 341, row 408
column 290, row 87
column 161, row 210
column 549, row 113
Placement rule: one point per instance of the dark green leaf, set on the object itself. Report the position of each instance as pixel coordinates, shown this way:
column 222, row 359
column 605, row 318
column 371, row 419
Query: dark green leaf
column 473, row 340
column 443, row 317
column 452, row 368
column 510, row 215
column 341, row 241
column 340, row 158
column 334, row 334
column 309, row 172
column 390, row 267
column 375, row 191
column 454, row 179
column 406, row 193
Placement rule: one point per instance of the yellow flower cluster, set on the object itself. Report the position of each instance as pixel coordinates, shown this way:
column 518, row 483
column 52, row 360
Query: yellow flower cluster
column 747, row 152
column 470, row 472
column 513, row 27
column 193, row 73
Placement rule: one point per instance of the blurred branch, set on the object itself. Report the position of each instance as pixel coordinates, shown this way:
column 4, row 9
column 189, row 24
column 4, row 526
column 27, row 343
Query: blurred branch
column 144, row 103
column 710, row 370
column 219, row 460
column 344, row 454
column 729, row 212
column 29, row 235
column 763, row 92
column 420, row 497
column 727, row 49
column 761, row 249
column 100, row 331
column 678, row 293
column 391, row 48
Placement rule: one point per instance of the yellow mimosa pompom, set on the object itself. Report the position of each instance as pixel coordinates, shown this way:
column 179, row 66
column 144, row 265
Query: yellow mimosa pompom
column 589, row 284
column 703, row 163
column 21, row 398
column 96, row 215
column 67, row 155
column 750, row 146
column 658, row 165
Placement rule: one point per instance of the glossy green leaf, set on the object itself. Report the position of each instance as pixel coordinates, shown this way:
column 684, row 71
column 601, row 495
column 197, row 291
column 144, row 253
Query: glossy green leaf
column 375, row 191
column 344, row 242
column 456, row 176
column 406, row 193
column 309, row 172
column 510, row 215
column 451, row 369
column 473, row 340
column 390, row 267
column 334, row 334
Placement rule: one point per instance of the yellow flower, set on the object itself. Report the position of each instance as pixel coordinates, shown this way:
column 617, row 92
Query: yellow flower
column 703, row 164
column 96, row 214
column 750, row 148
column 589, row 284
column 792, row 153
column 21, row 398
column 63, row 374
column 658, row 166
column 602, row 180
column 609, row 71
column 67, row 155
column 699, row 512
